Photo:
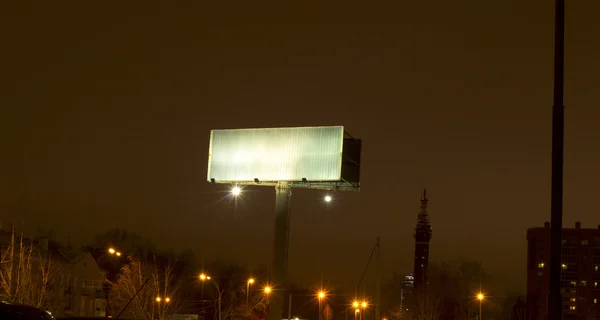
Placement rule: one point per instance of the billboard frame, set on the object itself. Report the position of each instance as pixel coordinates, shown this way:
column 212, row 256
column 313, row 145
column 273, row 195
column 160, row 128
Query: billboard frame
column 349, row 171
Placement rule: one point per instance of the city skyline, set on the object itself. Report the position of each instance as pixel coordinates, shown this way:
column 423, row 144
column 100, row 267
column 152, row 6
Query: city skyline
column 108, row 124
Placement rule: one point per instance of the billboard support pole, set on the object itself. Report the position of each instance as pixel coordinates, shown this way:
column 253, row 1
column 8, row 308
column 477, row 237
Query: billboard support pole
column 283, row 197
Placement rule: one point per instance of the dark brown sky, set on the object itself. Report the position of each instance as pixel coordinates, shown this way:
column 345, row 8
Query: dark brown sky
column 106, row 112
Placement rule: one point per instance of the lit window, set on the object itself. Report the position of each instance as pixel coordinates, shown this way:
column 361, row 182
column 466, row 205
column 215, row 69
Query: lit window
column 584, row 242
column 572, row 308
column 595, row 301
column 564, row 266
column 583, row 283
column 595, row 268
column 573, row 283
column 595, row 284
column 573, row 299
column 541, row 265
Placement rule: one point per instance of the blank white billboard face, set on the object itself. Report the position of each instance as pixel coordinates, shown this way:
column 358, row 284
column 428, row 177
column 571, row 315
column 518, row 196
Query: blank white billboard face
column 276, row 154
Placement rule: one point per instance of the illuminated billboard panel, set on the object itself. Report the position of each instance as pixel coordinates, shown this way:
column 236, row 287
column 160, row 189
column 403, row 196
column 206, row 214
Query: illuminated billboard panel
column 305, row 154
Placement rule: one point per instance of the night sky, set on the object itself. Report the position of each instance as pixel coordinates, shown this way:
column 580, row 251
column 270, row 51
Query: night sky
column 106, row 112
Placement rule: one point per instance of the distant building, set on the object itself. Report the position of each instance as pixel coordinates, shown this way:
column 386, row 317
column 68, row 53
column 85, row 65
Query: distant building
column 422, row 238
column 406, row 296
column 80, row 281
column 580, row 276
column 75, row 286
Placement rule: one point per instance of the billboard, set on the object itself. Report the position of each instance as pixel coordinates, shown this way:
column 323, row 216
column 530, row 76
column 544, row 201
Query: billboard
column 304, row 156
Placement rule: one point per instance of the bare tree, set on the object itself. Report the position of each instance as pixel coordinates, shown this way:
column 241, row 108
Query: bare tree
column 426, row 307
column 26, row 273
column 157, row 300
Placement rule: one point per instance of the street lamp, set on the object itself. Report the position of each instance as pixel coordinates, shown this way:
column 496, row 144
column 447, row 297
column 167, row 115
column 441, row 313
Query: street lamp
column 111, row 251
column 203, row 277
column 250, row 281
column 167, row 300
column 327, row 198
column 363, row 305
column 321, row 295
column 480, row 297
column 235, row 191
column 267, row 290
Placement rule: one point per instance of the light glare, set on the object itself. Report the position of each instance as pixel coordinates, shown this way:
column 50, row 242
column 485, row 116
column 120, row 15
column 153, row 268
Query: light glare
column 236, row 191
column 327, row 198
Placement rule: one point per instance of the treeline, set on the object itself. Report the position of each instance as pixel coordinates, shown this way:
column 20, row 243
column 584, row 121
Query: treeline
column 452, row 293
column 173, row 281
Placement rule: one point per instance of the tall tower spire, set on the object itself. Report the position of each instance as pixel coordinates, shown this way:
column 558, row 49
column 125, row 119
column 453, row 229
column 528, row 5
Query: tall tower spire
column 422, row 238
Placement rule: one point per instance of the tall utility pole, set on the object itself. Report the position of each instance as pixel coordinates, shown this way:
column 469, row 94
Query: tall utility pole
column 555, row 303
column 378, row 280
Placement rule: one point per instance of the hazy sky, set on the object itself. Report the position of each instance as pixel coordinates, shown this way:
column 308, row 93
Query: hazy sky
column 106, row 112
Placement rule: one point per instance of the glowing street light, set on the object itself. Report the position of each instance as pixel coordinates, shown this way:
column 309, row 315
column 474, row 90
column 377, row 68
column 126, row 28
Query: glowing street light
column 321, row 296
column 158, row 299
column 235, row 191
column 268, row 289
column 167, row 300
column 250, row 281
column 355, row 304
column 363, row 304
column 480, row 297
column 203, row 277
column 118, row 254
column 111, row 250
column 327, row 198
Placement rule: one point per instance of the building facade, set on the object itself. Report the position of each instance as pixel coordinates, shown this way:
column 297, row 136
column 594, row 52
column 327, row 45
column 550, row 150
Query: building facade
column 67, row 281
column 580, row 276
column 79, row 282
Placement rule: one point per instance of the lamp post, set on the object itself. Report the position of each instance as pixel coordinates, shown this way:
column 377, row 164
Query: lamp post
column 115, row 254
column 250, row 281
column 480, row 297
column 203, row 278
column 364, row 307
column 321, row 296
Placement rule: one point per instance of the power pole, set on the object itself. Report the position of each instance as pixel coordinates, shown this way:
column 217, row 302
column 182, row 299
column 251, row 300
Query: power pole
column 555, row 303
column 378, row 281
